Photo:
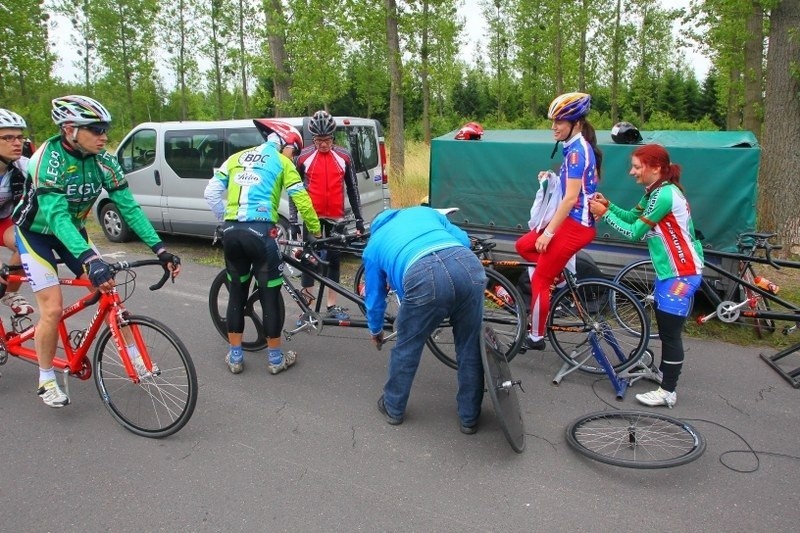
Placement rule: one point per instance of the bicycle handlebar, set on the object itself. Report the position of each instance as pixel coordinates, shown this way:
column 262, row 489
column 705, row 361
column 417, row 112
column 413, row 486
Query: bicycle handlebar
column 5, row 270
column 127, row 265
column 760, row 242
column 312, row 247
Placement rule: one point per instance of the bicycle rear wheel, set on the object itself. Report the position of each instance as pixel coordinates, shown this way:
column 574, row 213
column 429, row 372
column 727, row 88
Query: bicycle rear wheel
column 392, row 300
column 598, row 315
column 503, row 311
column 635, row 439
column 761, row 326
column 253, row 339
column 164, row 400
column 640, row 277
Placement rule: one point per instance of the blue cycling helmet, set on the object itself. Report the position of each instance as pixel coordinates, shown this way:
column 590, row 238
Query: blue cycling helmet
column 570, row 106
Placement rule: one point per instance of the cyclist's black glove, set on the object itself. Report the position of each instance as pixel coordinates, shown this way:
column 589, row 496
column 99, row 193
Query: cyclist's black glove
column 294, row 231
column 359, row 225
column 98, row 271
column 167, row 258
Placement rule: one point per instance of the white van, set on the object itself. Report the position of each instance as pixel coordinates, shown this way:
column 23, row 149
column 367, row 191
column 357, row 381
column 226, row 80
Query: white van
column 167, row 165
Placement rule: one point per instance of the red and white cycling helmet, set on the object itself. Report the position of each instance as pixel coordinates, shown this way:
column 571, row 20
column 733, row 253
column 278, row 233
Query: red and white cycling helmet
column 284, row 133
column 471, row 131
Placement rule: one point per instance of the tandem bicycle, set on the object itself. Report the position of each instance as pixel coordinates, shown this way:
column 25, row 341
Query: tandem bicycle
column 142, row 370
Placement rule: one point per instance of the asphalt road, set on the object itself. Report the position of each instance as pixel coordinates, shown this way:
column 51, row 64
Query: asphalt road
column 307, row 450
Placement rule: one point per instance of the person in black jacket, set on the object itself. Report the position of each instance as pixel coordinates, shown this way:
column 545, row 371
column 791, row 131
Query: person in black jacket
column 12, row 178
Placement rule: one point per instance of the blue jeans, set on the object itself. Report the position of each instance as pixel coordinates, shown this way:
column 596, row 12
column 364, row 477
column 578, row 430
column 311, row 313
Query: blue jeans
column 447, row 283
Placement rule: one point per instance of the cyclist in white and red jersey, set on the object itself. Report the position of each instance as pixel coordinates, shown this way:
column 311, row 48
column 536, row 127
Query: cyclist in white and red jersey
column 662, row 217
column 327, row 172
column 12, row 180
column 572, row 225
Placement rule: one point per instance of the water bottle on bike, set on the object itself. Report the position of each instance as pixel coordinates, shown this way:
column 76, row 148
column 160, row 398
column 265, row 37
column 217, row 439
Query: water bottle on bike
column 766, row 284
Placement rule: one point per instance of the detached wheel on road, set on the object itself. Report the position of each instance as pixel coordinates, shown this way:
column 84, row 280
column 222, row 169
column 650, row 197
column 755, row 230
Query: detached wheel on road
column 114, row 226
column 635, row 439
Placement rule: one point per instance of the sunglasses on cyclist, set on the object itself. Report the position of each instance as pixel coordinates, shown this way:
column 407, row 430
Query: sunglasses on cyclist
column 11, row 138
column 97, row 130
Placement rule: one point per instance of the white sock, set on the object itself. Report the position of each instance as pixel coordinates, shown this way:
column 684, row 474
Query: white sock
column 46, row 374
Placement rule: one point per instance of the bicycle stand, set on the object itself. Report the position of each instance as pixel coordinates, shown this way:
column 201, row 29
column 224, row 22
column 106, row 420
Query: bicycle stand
column 792, row 376
column 643, row 368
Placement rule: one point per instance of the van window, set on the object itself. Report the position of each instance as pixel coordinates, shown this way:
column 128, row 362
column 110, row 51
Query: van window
column 362, row 144
column 138, row 151
column 243, row 139
column 193, row 154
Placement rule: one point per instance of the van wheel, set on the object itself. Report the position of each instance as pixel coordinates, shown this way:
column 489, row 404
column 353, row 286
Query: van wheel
column 114, row 226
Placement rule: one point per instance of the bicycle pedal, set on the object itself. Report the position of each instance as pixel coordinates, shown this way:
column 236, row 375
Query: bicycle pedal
column 21, row 323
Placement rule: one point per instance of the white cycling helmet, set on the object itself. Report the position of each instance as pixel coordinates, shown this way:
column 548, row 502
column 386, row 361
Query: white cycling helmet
column 9, row 119
column 79, row 110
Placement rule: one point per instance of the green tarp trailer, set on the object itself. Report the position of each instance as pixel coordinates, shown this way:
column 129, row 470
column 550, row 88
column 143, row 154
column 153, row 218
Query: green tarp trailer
column 493, row 181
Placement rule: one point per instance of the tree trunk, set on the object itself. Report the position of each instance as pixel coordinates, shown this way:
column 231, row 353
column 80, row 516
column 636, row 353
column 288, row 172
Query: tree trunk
column 243, row 59
column 780, row 162
column 754, row 69
column 615, row 66
column 396, row 126
column 282, row 80
column 582, row 65
column 557, row 54
column 426, row 89
column 732, row 115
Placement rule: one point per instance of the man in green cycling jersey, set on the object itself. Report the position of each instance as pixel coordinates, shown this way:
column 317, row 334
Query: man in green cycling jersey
column 65, row 177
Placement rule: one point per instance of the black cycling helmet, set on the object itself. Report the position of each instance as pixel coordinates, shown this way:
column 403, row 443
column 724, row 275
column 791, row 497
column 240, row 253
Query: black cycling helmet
column 322, row 124
column 625, row 133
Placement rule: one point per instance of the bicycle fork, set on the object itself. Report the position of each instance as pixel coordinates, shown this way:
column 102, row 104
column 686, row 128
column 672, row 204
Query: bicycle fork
column 131, row 347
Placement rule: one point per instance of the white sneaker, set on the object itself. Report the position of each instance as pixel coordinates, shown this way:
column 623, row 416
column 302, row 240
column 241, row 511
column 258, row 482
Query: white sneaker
column 18, row 304
column 52, row 395
column 658, row 397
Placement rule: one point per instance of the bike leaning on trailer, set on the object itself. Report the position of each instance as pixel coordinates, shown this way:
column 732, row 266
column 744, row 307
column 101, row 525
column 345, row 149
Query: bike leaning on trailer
column 152, row 394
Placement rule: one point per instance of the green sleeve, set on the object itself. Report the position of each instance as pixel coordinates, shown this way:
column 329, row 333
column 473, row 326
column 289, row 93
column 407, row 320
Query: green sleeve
column 117, row 186
column 659, row 205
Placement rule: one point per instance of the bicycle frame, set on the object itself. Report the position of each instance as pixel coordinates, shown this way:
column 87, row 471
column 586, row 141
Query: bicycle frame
column 324, row 282
column 711, row 293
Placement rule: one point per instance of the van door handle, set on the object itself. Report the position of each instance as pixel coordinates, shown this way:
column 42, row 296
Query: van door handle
column 157, row 175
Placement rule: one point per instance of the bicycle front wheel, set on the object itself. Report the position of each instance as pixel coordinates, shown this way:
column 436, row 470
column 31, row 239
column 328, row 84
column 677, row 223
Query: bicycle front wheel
column 635, row 439
column 253, row 337
column 503, row 311
column 640, row 278
column 759, row 304
column 164, row 400
column 597, row 316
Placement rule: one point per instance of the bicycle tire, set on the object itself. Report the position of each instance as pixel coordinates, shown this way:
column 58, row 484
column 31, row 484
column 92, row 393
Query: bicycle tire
column 639, row 277
column 159, row 405
column 575, row 323
column 503, row 312
column 253, row 337
column 392, row 300
column 635, row 439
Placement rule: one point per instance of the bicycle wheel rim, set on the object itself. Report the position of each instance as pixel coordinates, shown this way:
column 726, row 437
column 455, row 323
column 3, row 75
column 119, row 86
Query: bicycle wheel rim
column 253, row 337
column 504, row 313
column 640, row 278
column 159, row 405
column 584, row 321
column 635, row 439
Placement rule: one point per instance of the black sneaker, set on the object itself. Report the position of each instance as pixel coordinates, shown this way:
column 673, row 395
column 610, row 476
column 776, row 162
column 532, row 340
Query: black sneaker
column 530, row 344
column 389, row 418
column 469, row 430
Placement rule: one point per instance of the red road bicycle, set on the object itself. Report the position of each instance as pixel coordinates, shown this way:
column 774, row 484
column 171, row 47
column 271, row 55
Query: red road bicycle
column 153, row 394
